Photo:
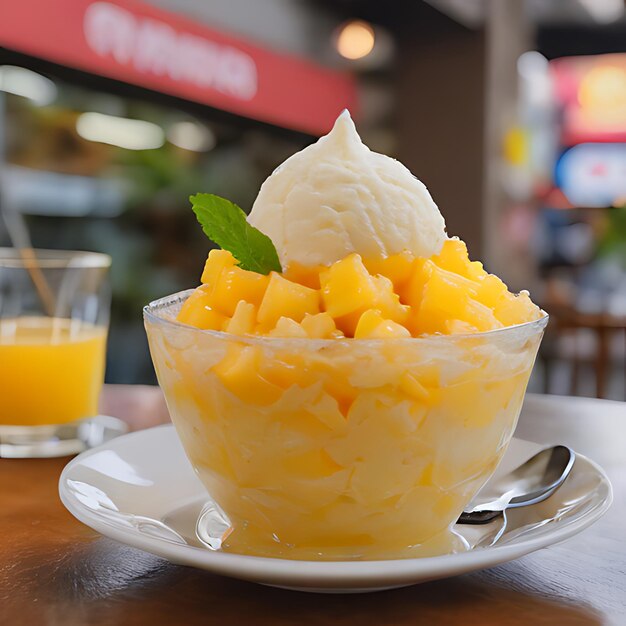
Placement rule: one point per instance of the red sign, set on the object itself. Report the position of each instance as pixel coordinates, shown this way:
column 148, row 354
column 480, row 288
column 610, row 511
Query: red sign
column 592, row 93
column 142, row 45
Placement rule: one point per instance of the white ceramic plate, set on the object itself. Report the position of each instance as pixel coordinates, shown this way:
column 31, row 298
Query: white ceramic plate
column 141, row 490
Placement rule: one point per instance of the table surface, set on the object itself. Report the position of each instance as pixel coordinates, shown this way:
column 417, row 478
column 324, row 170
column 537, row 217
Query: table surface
column 54, row 570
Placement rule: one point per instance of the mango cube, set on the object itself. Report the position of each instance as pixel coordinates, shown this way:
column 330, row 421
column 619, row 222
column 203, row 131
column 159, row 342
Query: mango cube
column 480, row 316
column 319, row 326
column 441, row 300
column 239, row 373
column 197, row 311
column 347, row 287
column 235, row 284
column 372, row 325
column 388, row 302
column 515, row 309
column 382, row 299
column 413, row 290
column 286, row 373
column 309, row 276
column 396, row 267
column 454, row 258
column 284, row 298
column 491, row 290
column 243, row 320
column 286, row 327
column 347, row 323
column 459, row 327
column 414, row 388
column 215, row 263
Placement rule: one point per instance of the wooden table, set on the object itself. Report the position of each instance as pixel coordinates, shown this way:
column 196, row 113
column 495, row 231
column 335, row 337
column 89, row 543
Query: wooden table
column 55, row 571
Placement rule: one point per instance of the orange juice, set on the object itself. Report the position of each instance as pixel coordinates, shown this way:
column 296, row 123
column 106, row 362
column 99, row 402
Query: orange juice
column 51, row 370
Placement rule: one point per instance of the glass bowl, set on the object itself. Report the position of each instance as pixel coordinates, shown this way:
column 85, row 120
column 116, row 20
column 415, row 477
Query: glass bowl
column 340, row 448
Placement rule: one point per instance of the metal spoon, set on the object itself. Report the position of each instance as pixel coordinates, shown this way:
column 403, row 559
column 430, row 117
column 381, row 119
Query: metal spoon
column 531, row 482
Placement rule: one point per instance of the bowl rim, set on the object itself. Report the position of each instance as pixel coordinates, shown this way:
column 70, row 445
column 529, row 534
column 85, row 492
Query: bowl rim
column 526, row 329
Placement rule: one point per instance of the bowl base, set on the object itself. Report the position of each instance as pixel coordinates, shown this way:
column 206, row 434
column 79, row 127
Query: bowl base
column 215, row 532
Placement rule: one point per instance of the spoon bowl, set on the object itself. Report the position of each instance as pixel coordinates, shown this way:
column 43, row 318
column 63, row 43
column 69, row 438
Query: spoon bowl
column 532, row 482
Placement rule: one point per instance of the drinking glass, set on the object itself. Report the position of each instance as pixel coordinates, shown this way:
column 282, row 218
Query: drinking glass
column 54, row 314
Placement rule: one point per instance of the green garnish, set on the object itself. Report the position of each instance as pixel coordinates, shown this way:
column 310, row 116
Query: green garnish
column 225, row 223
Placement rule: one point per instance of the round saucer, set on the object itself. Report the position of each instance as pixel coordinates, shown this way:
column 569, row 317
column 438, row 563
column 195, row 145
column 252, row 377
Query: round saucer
column 141, row 490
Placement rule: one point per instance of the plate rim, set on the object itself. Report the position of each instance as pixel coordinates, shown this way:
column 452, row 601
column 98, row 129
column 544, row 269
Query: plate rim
column 292, row 572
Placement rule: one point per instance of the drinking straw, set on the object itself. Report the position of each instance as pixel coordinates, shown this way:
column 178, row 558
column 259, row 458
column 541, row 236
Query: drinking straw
column 18, row 234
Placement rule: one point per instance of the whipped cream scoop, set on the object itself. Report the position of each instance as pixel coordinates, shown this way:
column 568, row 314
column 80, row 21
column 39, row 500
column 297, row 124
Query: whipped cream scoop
column 336, row 197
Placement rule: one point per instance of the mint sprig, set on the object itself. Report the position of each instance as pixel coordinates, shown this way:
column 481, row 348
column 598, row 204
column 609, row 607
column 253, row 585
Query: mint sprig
column 225, row 223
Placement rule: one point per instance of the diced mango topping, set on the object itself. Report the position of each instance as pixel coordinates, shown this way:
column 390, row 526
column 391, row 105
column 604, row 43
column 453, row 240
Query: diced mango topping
column 397, row 296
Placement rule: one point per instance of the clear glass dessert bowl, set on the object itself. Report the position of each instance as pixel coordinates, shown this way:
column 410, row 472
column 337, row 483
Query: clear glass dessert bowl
column 341, row 448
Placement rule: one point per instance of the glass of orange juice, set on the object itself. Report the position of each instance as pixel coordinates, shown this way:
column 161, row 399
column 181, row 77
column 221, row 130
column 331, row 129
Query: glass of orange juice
column 54, row 314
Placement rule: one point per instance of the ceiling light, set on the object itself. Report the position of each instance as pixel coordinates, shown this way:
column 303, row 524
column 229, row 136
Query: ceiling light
column 191, row 136
column 28, row 84
column 604, row 11
column 355, row 40
column 120, row 131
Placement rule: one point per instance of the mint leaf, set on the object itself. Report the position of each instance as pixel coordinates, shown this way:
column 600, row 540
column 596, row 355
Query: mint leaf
column 225, row 223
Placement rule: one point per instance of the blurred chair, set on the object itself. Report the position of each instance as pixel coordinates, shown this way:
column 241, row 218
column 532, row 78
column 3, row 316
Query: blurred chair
column 587, row 343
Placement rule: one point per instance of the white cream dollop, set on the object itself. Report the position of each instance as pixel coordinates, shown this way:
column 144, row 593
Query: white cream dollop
column 336, row 197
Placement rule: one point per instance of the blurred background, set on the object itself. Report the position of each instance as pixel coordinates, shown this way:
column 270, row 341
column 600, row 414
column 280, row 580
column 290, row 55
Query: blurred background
column 513, row 112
